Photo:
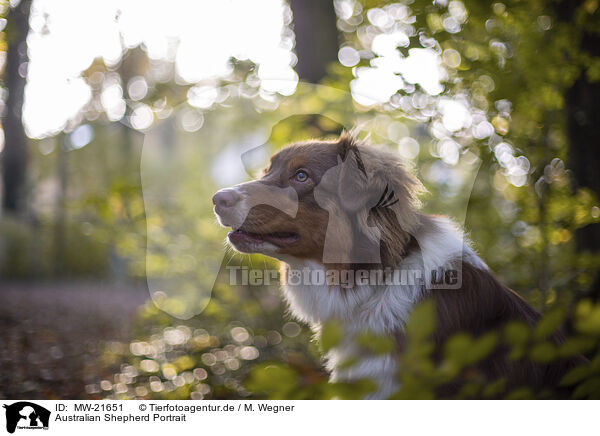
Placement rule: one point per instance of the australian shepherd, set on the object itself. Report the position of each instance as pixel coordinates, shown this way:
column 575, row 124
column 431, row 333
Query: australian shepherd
column 327, row 208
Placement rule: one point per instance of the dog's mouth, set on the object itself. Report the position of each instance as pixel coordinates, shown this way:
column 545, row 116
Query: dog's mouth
column 279, row 239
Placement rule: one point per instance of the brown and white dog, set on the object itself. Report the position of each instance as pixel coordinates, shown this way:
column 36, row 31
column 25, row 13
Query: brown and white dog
column 324, row 206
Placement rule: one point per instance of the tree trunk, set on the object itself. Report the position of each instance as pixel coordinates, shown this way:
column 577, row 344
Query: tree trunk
column 14, row 159
column 60, row 216
column 316, row 37
column 583, row 134
column 583, row 118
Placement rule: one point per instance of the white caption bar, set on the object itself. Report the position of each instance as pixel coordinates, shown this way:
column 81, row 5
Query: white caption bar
column 298, row 417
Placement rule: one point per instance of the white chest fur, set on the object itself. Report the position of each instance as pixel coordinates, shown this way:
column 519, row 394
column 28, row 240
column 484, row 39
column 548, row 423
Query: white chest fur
column 379, row 309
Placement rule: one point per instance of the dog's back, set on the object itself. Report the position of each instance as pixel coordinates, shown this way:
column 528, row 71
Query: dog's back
column 484, row 305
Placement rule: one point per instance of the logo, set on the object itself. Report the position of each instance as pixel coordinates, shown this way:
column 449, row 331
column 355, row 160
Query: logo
column 26, row 415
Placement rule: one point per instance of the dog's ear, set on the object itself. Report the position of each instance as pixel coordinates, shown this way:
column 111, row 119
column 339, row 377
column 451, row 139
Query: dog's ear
column 368, row 180
column 355, row 186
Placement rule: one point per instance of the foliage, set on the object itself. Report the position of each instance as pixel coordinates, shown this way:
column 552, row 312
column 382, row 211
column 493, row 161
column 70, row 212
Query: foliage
column 240, row 361
column 507, row 66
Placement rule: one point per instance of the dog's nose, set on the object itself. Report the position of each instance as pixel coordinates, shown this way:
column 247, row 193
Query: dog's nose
column 226, row 198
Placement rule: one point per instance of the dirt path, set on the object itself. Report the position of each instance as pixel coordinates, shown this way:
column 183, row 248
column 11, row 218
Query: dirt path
column 51, row 335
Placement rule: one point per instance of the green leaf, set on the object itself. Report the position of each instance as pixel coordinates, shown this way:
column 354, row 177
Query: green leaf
column 516, row 333
column 522, row 393
column 587, row 318
column 421, row 323
column 575, row 375
column 587, row 388
column 348, row 363
column 576, row 345
column 463, row 350
column 376, row 344
column 331, row 335
column 457, row 348
column 549, row 323
column 351, row 390
column 494, row 388
column 469, row 390
column 273, row 379
column 544, row 352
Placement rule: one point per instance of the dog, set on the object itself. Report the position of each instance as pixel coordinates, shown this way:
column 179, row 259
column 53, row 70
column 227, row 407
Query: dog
column 336, row 206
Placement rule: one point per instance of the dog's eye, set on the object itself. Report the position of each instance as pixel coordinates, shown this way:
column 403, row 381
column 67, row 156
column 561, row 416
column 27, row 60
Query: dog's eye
column 301, row 176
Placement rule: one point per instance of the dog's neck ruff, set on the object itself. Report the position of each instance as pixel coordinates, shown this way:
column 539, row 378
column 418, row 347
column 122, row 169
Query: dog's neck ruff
column 379, row 309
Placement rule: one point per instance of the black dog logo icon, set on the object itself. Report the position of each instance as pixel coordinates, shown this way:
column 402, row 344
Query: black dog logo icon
column 24, row 414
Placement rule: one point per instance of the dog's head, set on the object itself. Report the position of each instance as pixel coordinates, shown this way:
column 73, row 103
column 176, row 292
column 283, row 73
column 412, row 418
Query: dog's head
column 335, row 202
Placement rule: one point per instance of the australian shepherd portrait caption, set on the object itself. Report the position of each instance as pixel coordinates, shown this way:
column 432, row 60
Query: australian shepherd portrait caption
column 343, row 205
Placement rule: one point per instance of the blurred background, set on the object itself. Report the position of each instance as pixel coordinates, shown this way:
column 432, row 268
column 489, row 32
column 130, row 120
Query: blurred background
column 493, row 103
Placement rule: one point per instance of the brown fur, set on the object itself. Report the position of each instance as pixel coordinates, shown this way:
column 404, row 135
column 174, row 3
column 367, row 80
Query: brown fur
column 481, row 305
column 484, row 305
column 310, row 221
column 366, row 173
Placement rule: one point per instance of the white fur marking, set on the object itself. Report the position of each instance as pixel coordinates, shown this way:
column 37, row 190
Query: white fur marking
column 376, row 309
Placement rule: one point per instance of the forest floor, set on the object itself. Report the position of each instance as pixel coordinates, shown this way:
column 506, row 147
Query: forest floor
column 52, row 335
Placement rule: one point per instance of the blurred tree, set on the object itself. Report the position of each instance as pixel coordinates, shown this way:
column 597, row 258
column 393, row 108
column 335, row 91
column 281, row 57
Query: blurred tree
column 583, row 126
column 14, row 159
column 316, row 37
